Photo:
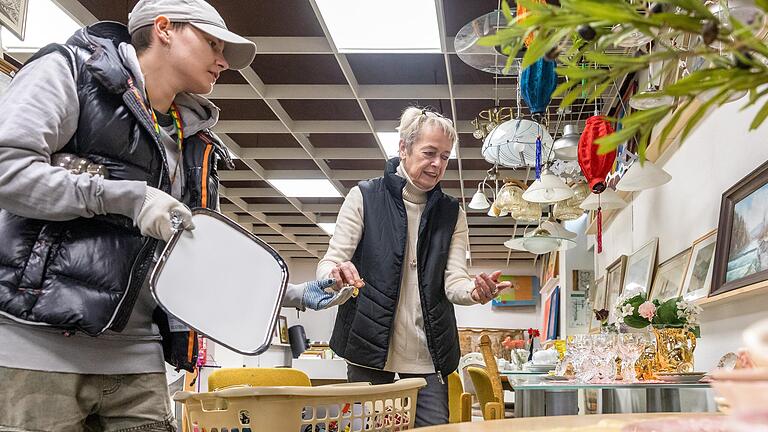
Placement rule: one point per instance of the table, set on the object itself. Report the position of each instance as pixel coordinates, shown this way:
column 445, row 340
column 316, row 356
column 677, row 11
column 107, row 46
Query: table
column 555, row 398
column 610, row 423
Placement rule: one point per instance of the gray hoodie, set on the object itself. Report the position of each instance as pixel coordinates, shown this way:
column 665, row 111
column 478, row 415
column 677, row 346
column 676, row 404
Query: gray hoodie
column 40, row 115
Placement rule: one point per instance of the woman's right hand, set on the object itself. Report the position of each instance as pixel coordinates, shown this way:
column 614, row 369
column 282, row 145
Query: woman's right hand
column 345, row 274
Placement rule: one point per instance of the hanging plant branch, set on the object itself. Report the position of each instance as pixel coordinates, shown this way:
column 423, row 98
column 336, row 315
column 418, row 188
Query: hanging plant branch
column 580, row 33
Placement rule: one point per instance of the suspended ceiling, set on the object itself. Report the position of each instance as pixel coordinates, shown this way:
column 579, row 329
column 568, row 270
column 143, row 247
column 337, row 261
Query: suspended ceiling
column 303, row 110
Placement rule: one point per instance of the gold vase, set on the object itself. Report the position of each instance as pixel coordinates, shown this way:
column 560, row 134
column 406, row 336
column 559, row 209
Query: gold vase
column 674, row 349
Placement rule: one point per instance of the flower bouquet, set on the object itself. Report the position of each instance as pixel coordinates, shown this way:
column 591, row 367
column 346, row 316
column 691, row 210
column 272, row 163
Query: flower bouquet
column 518, row 353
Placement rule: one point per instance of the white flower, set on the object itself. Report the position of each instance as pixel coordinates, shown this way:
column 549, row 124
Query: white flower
column 627, row 310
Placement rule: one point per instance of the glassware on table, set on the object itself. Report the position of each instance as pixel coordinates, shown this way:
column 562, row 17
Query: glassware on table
column 631, row 346
column 604, row 353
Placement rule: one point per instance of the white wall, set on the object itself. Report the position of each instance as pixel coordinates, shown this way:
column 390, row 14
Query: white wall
column 714, row 158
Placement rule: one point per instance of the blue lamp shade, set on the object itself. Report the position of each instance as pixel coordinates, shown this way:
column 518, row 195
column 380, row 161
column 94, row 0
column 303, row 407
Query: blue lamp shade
column 537, row 82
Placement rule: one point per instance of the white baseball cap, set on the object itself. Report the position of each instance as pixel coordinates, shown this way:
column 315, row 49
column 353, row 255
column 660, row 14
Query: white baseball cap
column 238, row 51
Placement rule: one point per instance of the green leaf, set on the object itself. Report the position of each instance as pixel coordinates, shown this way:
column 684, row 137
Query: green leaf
column 760, row 117
column 610, row 142
column 763, row 4
column 570, row 97
column 636, row 321
column 694, row 120
column 541, row 44
column 642, row 117
column 673, row 121
column 507, row 11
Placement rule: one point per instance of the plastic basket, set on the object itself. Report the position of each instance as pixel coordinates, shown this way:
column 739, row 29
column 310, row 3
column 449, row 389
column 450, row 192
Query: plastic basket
column 333, row 408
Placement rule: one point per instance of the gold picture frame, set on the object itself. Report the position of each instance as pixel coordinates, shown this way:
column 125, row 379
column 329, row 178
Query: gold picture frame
column 698, row 274
column 614, row 282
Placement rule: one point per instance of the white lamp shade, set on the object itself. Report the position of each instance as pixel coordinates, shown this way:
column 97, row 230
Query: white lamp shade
column 479, row 201
column 558, row 230
column 567, row 146
column 608, row 200
column 495, row 211
column 548, row 189
column 643, row 176
column 539, row 241
column 651, row 99
column 507, row 141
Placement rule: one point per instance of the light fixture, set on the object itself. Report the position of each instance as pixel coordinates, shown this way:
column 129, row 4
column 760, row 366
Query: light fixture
column 487, row 120
column 529, row 212
column 566, row 210
column 539, row 241
column 745, row 11
column 510, row 197
column 566, row 147
column 496, row 212
column 391, row 31
column 305, row 188
column 391, row 143
column 633, row 39
column 39, row 32
column 512, row 144
column 557, row 229
column 548, row 189
column 607, row 200
column 642, row 176
column 479, row 200
column 328, row 227
column 652, row 96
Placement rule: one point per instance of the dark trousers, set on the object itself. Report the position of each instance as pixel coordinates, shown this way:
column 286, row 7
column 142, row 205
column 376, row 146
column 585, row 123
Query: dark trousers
column 431, row 403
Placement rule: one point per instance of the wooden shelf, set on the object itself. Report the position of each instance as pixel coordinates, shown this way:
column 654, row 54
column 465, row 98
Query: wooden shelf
column 737, row 294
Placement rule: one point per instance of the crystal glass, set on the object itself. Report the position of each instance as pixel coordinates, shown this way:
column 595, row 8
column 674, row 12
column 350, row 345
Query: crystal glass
column 604, row 353
column 580, row 351
column 631, row 346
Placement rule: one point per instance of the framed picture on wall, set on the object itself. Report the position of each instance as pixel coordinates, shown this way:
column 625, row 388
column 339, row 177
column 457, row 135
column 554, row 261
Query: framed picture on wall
column 13, row 16
column 640, row 266
column 669, row 277
column 523, row 292
column 741, row 252
column 614, row 279
column 597, row 294
column 698, row 274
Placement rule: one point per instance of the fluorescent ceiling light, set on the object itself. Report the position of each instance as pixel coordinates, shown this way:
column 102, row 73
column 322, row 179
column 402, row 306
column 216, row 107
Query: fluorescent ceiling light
column 391, row 143
column 404, row 26
column 301, row 188
column 328, row 227
column 46, row 23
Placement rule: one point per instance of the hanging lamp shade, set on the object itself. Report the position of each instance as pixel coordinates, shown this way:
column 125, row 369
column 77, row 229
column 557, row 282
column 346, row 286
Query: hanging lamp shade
column 643, row 176
column 537, row 82
column 510, row 197
column 548, row 189
column 512, row 144
column 595, row 166
column 608, row 200
column 566, row 147
column 529, row 212
column 479, row 201
column 557, row 229
column 539, row 241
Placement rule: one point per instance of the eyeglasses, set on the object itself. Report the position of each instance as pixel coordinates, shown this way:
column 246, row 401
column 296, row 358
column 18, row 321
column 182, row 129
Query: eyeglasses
column 429, row 110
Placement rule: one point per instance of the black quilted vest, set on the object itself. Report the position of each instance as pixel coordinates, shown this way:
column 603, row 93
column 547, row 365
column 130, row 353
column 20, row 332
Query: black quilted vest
column 363, row 324
column 85, row 274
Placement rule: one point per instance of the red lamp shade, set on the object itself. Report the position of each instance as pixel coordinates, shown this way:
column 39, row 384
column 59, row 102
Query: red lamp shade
column 595, row 166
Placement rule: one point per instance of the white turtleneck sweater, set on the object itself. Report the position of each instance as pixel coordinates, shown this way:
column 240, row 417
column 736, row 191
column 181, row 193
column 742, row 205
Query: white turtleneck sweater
column 408, row 351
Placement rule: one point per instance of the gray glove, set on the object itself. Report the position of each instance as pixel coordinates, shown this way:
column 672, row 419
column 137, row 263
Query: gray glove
column 317, row 296
column 154, row 219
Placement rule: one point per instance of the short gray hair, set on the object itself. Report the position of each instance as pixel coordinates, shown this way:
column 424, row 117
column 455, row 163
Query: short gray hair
column 414, row 119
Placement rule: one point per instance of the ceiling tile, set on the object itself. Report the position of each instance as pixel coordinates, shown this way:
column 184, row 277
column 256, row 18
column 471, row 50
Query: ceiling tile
column 265, row 200
column 343, row 140
column 322, row 200
column 244, row 109
column 288, row 164
column 459, row 12
column 356, row 164
column 298, row 69
column 466, row 140
column 398, row 68
column 392, row 109
column 319, row 109
column 252, row 140
column 245, row 184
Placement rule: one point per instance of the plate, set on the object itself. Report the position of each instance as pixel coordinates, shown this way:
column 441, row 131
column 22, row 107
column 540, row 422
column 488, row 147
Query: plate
column 556, row 378
column 681, row 377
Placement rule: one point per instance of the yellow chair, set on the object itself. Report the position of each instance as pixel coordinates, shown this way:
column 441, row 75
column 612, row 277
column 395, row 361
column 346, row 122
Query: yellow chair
column 492, row 370
column 257, row 377
column 459, row 403
column 491, row 407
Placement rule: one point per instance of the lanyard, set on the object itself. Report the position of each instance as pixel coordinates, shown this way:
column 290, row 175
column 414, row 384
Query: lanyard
column 176, row 123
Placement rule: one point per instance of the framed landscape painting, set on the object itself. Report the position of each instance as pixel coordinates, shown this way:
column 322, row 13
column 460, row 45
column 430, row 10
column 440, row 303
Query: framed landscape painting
column 741, row 253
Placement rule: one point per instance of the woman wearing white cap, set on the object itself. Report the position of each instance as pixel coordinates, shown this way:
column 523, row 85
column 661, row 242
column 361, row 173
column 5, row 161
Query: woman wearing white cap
column 83, row 341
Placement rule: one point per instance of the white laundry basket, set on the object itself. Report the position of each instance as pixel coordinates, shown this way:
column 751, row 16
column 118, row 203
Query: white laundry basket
column 333, row 408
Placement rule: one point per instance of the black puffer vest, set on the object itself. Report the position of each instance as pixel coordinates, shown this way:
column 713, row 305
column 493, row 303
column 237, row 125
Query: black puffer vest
column 86, row 274
column 363, row 324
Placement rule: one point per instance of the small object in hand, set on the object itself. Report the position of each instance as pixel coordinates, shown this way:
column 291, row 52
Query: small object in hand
column 358, row 284
column 176, row 220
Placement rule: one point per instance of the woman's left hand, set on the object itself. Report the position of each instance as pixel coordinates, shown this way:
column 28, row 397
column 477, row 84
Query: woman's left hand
column 487, row 287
